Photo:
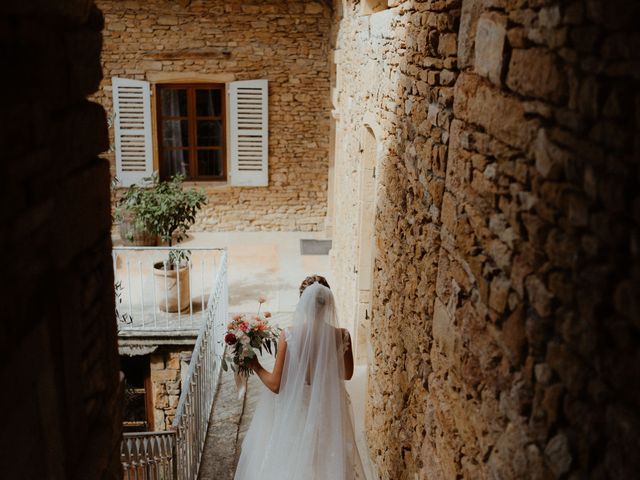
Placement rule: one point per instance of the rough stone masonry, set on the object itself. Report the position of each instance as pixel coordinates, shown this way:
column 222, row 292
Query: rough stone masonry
column 505, row 330
column 286, row 43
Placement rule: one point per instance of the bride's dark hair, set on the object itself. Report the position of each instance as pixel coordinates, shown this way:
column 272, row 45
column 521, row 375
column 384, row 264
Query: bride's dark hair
column 310, row 280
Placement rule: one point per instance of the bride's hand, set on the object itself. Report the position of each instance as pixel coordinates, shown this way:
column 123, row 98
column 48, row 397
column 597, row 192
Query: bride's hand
column 254, row 363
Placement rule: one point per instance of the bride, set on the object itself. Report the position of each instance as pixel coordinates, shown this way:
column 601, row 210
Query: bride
column 302, row 428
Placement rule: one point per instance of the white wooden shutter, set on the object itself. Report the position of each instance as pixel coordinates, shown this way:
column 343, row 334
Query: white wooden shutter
column 249, row 131
column 132, row 124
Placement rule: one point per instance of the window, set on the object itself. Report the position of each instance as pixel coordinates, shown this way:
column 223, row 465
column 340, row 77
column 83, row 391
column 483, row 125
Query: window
column 191, row 131
column 193, row 124
column 138, row 410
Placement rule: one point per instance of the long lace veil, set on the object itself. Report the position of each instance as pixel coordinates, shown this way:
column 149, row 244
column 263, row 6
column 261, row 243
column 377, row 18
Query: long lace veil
column 306, row 430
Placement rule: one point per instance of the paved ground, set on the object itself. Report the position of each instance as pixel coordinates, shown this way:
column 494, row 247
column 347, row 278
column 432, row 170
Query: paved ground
column 264, row 263
column 260, row 263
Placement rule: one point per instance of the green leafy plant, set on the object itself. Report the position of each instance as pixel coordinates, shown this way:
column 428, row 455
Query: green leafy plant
column 121, row 317
column 174, row 208
column 176, row 259
column 162, row 208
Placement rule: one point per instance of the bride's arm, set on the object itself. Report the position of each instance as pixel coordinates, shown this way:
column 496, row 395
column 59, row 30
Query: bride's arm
column 348, row 355
column 272, row 379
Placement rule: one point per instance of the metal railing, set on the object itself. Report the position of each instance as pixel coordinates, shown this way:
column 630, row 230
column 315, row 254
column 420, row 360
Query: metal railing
column 151, row 456
column 152, row 296
column 198, row 391
column 148, row 456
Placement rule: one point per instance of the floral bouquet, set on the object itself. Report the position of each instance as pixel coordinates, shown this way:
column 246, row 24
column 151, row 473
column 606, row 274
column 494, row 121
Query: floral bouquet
column 246, row 335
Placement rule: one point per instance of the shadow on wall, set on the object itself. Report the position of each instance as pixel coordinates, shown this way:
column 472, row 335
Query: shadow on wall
column 507, row 240
column 58, row 346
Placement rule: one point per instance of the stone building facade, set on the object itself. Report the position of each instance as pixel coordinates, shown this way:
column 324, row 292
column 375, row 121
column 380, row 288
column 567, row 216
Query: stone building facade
column 59, row 353
column 286, row 43
column 503, row 338
column 154, row 376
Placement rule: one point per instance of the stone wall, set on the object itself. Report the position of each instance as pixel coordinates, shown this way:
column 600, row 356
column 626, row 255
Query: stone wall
column 168, row 368
column 284, row 42
column 505, row 325
column 59, row 360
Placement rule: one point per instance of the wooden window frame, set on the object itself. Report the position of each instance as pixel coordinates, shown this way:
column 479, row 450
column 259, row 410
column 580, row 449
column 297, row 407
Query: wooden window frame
column 192, row 122
column 147, row 390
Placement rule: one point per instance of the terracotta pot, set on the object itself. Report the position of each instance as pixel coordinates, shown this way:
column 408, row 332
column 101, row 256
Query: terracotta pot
column 132, row 235
column 166, row 285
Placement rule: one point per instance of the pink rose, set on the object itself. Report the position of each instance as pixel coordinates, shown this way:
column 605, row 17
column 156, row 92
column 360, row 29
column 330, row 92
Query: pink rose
column 230, row 339
column 267, row 314
column 244, row 326
column 262, row 299
column 237, row 317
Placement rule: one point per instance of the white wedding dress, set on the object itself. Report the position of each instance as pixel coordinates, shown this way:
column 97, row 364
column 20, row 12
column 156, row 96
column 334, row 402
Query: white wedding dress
column 305, row 432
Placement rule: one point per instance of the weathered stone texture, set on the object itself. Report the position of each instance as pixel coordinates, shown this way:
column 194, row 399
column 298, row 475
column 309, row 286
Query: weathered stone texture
column 284, row 42
column 63, row 413
column 168, row 366
column 505, row 324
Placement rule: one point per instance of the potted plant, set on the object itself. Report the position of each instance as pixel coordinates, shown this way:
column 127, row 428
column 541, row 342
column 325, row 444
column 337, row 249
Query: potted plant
column 174, row 211
column 171, row 277
column 164, row 210
column 168, row 209
column 134, row 213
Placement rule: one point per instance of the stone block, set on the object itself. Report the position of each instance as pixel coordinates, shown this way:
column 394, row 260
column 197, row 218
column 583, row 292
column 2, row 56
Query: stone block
column 558, row 454
column 173, row 387
column 448, row 212
column 514, row 335
column 534, row 72
column 173, row 361
column 159, row 419
column 160, row 399
column 539, row 296
column 498, row 293
column 551, row 402
column 164, row 375
column 313, row 8
column 491, row 32
column 469, row 15
column 116, row 27
column 501, row 115
column 551, row 160
column 447, row 45
column 444, row 334
column 156, row 361
column 549, row 17
column 167, row 20
column 151, row 65
column 543, row 373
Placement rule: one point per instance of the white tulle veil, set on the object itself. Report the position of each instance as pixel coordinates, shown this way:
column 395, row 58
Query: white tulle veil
column 305, row 432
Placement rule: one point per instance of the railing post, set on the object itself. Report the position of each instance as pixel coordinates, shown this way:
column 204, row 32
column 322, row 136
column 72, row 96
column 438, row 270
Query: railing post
column 174, row 452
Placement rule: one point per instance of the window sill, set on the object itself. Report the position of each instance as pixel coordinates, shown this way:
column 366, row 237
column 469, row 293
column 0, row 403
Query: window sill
column 195, row 184
column 206, row 183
